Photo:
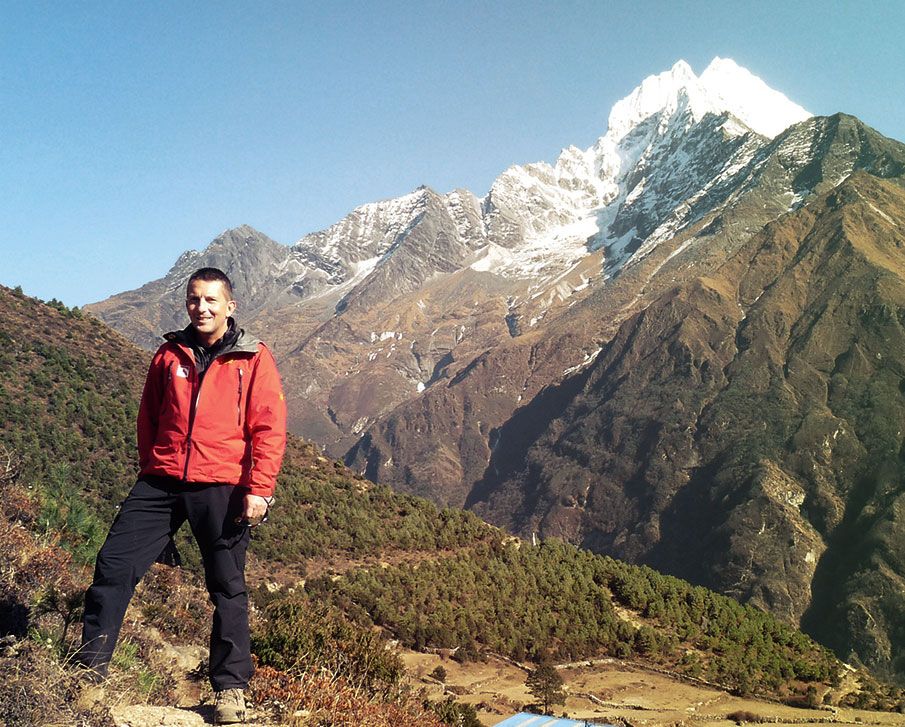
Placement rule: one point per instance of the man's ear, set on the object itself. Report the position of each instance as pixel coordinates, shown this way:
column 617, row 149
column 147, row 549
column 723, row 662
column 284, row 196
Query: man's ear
column 231, row 307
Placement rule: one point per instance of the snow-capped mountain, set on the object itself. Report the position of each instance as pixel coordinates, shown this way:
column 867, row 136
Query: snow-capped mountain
column 724, row 86
column 545, row 236
column 554, row 347
column 669, row 139
column 665, row 141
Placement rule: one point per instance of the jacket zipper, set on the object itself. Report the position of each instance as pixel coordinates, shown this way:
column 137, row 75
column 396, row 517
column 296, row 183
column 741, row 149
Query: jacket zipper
column 239, row 404
column 192, row 411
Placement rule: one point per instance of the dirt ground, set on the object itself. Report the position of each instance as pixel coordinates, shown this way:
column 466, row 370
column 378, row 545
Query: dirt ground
column 615, row 693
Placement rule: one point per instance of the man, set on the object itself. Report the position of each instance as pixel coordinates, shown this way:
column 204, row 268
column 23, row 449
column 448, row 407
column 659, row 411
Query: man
column 211, row 435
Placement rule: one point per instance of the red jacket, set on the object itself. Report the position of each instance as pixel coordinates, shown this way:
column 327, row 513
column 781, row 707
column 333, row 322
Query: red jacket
column 229, row 429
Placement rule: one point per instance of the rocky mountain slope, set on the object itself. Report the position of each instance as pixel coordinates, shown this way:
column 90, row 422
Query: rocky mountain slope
column 744, row 430
column 627, row 348
column 339, row 556
column 258, row 266
column 404, row 293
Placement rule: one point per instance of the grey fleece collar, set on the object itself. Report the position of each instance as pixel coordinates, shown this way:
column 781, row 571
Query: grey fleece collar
column 245, row 343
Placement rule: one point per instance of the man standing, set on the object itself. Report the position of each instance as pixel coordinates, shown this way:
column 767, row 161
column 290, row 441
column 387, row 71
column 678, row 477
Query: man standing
column 211, row 435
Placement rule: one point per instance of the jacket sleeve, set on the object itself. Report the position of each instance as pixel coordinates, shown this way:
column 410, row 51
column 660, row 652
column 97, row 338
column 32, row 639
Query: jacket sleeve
column 149, row 408
column 266, row 423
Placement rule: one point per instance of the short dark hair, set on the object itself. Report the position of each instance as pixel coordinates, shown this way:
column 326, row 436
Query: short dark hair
column 209, row 275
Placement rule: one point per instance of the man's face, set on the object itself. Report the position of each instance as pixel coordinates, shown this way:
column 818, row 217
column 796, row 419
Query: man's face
column 209, row 306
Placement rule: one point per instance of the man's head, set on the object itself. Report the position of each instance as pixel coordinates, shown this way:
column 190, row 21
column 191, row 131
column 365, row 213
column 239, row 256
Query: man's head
column 209, row 303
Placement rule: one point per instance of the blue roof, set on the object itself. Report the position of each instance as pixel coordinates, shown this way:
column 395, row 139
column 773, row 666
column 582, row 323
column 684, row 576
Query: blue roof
column 524, row 719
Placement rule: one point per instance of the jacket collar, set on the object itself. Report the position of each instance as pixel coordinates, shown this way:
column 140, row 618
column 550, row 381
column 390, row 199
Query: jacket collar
column 241, row 341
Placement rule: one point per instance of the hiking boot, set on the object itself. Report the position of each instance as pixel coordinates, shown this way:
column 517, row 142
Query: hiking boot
column 230, row 707
column 91, row 675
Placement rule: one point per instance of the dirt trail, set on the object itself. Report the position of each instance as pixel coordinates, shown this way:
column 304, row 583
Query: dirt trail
column 144, row 715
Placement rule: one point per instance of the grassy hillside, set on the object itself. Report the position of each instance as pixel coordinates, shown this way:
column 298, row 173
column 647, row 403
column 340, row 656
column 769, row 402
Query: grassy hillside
column 428, row 577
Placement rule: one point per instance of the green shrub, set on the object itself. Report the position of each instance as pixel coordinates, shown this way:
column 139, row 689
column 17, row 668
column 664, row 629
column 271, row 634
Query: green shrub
column 298, row 635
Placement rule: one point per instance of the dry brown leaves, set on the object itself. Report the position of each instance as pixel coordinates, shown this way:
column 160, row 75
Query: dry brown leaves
column 327, row 700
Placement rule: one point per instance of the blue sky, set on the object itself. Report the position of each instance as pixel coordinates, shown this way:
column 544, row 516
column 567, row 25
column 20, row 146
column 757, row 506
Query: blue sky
column 131, row 132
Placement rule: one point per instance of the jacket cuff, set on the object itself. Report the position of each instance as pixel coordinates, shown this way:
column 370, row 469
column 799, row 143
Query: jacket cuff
column 260, row 490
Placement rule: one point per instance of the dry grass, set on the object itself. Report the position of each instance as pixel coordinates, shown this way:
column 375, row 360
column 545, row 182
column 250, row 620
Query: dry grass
column 37, row 689
column 616, row 692
column 40, row 598
column 323, row 699
column 39, row 601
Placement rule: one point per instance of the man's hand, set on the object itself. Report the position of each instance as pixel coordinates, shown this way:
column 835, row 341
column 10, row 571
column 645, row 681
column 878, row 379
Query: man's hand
column 255, row 508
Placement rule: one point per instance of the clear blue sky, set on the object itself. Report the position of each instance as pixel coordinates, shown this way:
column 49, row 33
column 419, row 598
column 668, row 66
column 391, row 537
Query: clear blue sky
column 133, row 131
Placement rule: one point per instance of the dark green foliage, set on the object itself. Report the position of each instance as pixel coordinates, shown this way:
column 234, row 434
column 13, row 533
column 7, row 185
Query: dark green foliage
column 321, row 508
column 874, row 695
column 556, row 600
column 453, row 713
column 65, row 512
column 741, row 716
column 545, row 684
column 518, row 601
column 68, row 400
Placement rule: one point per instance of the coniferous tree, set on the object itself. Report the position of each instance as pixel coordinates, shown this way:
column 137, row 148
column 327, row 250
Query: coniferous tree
column 546, row 685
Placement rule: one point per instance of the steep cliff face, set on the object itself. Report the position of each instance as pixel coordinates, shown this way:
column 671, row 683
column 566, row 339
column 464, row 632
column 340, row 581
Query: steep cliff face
column 744, row 431
column 507, row 374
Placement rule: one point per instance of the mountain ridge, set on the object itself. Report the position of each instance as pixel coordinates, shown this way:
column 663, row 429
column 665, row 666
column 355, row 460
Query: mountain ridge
column 439, row 333
column 321, row 254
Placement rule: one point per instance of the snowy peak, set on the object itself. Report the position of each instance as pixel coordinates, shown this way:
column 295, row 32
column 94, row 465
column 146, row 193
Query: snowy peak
column 671, row 138
column 367, row 231
column 748, row 98
column 659, row 93
column 650, row 160
column 723, row 87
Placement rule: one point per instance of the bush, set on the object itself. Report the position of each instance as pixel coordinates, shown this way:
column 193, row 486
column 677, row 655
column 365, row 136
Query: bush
column 453, row 713
column 298, row 636
column 316, row 698
column 741, row 716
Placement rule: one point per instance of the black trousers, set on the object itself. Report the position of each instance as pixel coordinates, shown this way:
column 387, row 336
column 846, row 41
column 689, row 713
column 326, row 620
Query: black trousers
column 154, row 510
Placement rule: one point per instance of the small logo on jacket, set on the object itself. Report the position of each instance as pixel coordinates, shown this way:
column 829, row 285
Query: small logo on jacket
column 182, row 372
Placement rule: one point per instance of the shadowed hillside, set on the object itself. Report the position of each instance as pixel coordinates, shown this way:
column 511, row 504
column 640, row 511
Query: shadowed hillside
column 743, row 431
